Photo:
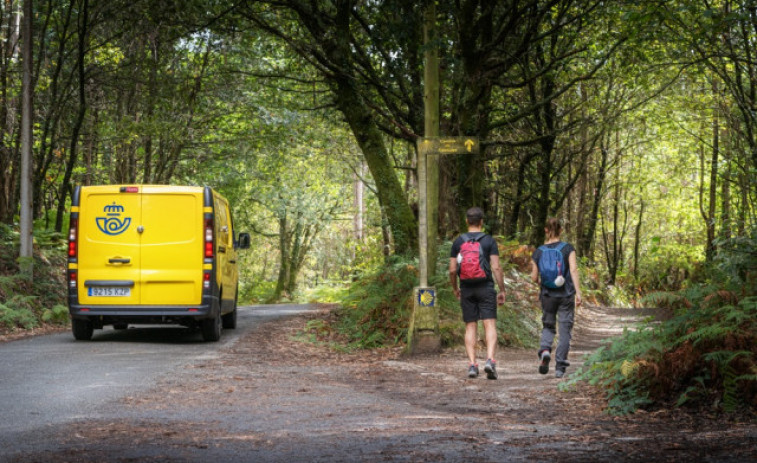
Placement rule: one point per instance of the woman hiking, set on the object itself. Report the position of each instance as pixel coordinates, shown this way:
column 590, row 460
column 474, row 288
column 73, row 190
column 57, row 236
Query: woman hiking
column 553, row 266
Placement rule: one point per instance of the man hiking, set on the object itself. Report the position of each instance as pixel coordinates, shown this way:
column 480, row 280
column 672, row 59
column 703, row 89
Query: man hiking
column 474, row 260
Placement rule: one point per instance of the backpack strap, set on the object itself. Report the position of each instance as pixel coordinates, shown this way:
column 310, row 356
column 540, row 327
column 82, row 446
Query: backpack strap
column 469, row 237
column 559, row 247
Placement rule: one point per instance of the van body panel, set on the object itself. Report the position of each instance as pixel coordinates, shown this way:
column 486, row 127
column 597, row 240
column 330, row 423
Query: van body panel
column 226, row 253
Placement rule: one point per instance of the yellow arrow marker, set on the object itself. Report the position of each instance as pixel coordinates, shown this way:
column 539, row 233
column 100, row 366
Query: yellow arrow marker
column 469, row 144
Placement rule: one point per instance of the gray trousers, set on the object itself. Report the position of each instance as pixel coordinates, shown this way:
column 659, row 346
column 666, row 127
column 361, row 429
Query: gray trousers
column 560, row 310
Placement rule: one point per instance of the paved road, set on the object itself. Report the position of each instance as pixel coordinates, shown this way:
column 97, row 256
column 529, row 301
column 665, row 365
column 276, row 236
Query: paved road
column 47, row 381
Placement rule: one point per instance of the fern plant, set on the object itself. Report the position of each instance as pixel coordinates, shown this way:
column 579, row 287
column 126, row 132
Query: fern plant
column 703, row 355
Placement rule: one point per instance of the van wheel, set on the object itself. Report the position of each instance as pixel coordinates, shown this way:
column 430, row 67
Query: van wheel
column 211, row 329
column 82, row 329
column 230, row 319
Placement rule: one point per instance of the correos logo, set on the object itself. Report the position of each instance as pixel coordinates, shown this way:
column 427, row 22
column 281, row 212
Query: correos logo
column 113, row 224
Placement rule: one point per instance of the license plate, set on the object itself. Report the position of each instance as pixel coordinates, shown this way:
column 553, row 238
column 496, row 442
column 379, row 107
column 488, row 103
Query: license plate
column 108, row 291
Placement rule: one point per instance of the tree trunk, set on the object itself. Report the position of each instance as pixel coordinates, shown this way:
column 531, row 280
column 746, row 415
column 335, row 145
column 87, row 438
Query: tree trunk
column 7, row 168
column 283, row 278
column 26, row 227
column 586, row 240
column 390, row 195
column 72, row 155
column 637, row 243
column 709, row 215
column 725, row 215
column 359, row 206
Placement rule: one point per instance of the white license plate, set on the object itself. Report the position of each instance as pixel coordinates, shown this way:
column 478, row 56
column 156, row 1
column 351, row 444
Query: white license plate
column 108, row 291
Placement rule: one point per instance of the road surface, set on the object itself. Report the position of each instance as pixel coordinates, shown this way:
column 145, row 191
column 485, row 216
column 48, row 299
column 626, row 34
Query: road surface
column 48, row 381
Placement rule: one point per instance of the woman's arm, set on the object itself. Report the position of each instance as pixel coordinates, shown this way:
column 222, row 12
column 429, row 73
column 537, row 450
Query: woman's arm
column 574, row 276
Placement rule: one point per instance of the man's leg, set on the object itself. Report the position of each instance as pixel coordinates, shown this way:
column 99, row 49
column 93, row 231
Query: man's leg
column 490, row 330
column 471, row 337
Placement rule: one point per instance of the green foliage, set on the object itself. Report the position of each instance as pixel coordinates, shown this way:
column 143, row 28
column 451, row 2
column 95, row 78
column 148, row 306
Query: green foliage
column 256, row 291
column 706, row 355
column 377, row 309
column 26, row 301
column 518, row 325
column 668, row 266
column 16, row 312
column 736, row 260
column 57, row 315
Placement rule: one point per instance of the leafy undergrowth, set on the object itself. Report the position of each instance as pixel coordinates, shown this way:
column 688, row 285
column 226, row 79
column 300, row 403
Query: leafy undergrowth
column 376, row 310
column 703, row 357
column 29, row 303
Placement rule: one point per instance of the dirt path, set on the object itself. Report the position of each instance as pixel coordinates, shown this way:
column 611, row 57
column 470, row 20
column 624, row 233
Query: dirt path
column 273, row 398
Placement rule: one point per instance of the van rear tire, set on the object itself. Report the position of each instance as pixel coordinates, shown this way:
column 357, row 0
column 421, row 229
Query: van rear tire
column 229, row 320
column 211, row 329
column 82, row 329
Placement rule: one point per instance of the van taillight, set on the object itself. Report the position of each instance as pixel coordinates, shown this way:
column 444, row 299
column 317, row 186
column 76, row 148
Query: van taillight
column 209, row 237
column 72, row 232
column 129, row 189
column 206, row 280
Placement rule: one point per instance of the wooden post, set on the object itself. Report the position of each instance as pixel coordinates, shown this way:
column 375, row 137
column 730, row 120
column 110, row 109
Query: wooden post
column 424, row 324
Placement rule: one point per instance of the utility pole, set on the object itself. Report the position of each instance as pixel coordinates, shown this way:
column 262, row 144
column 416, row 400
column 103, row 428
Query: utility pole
column 26, row 227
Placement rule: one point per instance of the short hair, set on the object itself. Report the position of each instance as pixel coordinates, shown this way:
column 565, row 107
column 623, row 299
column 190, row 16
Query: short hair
column 474, row 215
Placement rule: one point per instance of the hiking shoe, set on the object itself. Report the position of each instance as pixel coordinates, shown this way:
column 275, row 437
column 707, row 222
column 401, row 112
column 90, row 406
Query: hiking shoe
column 491, row 369
column 559, row 373
column 473, row 371
column 544, row 365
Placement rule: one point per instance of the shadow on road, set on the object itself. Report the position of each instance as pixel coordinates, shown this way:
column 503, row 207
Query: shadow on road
column 148, row 334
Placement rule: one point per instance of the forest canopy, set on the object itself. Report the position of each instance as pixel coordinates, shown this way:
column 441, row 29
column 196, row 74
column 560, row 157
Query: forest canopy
column 633, row 122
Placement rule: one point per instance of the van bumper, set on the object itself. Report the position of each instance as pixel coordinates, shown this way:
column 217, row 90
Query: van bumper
column 102, row 315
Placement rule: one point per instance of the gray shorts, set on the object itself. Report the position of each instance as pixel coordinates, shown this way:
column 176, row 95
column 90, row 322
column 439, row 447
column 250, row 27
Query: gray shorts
column 478, row 303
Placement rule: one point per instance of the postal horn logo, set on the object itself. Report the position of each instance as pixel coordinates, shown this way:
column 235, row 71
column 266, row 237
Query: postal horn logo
column 112, row 224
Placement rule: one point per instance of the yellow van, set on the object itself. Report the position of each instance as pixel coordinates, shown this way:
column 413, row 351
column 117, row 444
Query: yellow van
column 145, row 254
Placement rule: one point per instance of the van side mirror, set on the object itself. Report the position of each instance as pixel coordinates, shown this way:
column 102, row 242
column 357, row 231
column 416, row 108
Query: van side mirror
column 244, row 241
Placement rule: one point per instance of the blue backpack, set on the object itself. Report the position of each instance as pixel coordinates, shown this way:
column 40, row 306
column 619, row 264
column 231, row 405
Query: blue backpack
column 551, row 265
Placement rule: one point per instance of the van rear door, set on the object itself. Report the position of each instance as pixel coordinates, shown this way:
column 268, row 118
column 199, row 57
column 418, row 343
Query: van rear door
column 172, row 245
column 109, row 260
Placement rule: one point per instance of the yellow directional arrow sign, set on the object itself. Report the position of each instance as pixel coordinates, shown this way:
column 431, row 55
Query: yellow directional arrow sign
column 451, row 145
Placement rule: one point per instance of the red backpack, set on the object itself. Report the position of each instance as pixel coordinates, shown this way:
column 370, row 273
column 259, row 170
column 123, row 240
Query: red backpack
column 472, row 264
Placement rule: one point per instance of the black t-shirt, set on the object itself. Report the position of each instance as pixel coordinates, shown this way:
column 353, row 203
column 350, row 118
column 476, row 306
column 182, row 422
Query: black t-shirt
column 568, row 289
column 488, row 245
